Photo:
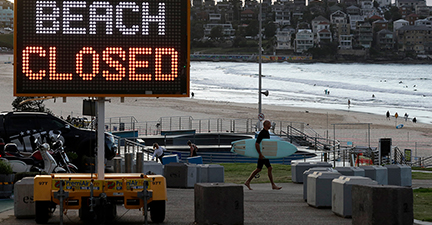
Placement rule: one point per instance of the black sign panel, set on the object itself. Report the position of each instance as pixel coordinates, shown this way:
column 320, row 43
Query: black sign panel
column 102, row 48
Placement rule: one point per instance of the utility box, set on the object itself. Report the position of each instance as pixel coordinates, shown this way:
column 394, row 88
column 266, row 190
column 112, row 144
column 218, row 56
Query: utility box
column 376, row 173
column 351, row 171
column 310, row 171
column 24, row 207
column 219, row 203
column 399, row 175
column 319, row 188
column 341, row 193
column 180, row 175
column 152, row 168
column 382, row 204
column 169, row 159
column 297, row 169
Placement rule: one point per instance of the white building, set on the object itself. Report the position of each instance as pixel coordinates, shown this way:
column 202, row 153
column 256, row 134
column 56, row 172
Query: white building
column 227, row 29
column 304, row 40
column 354, row 19
column 283, row 39
column 399, row 23
column 6, row 15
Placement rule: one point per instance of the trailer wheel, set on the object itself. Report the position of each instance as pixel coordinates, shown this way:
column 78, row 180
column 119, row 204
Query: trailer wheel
column 157, row 211
column 43, row 211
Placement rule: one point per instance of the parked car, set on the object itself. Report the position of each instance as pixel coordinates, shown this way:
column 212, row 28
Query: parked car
column 19, row 127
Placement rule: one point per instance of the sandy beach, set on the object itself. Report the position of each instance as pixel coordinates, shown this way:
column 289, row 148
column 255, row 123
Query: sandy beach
column 416, row 136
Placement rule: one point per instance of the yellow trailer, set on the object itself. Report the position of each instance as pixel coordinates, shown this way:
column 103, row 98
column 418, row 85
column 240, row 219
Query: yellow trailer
column 97, row 199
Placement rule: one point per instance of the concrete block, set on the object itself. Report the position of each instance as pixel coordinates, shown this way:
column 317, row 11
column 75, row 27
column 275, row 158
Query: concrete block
column 297, row 169
column 382, row 205
column 399, row 175
column 216, row 173
column 152, row 168
column 341, row 193
column 319, row 188
column 219, row 203
column 195, row 159
column 180, row 175
column 202, row 173
column 351, row 171
column 310, row 171
column 24, row 206
column 170, row 159
column 377, row 173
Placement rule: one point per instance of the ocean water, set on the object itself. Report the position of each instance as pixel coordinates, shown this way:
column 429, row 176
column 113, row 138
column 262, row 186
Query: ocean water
column 371, row 88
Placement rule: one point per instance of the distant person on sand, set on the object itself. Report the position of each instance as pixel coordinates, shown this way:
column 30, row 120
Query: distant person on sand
column 349, row 103
column 193, row 149
column 406, row 116
column 193, row 94
column 264, row 133
column 388, row 115
column 414, row 120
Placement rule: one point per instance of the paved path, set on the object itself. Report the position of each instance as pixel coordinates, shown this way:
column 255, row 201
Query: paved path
column 261, row 206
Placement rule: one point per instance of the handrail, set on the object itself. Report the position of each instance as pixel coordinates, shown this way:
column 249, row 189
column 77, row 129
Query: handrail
column 316, row 142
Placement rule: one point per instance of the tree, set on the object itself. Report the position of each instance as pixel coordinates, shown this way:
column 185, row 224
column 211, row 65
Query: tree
column 216, row 33
column 270, row 30
column 197, row 30
column 252, row 29
column 29, row 106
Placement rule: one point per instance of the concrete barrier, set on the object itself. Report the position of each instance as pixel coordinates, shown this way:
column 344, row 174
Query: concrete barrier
column 153, row 168
column 351, row 171
column 310, row 171
column 399, row 175
column 219, row 203
column 377, row 173
column 377, row 204
column 297, row 169
column 180, row 175
column 216, row 173
column 319, row 188
column 24, row 206
column 341, row 193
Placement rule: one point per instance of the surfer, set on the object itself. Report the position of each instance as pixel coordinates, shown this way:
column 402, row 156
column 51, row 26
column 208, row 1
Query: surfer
column 264, row 133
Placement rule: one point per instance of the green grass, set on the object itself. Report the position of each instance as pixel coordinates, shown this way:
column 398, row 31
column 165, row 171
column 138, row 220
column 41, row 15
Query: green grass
column 421, row 168
column 237, row 173
column 421, row 176
column 423, row 204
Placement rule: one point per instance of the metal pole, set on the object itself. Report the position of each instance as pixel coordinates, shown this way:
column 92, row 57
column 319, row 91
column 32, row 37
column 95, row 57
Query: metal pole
column 101, row 139
column 260, row 61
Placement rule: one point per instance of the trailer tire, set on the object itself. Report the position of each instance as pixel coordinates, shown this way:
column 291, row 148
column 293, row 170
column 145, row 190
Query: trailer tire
column 43, row 211
column 157, row 211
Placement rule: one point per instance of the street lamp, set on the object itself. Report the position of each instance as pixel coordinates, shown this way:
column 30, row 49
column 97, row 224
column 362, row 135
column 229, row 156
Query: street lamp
column 260, row 61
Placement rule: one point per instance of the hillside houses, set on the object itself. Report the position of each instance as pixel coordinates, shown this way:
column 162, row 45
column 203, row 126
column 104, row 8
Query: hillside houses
column 346, row 24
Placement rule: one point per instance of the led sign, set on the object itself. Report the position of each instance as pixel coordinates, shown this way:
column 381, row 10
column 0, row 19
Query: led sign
column 102, row 48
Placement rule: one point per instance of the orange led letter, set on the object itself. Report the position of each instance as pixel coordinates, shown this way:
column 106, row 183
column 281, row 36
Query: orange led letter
column 79, row 63
column 158, row 63
column 53, row 67
column 113, row 63
column 133, row 64
column 26, row 63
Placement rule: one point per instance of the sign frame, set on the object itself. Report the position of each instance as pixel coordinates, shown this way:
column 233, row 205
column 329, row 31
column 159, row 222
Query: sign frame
column 180, row 89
